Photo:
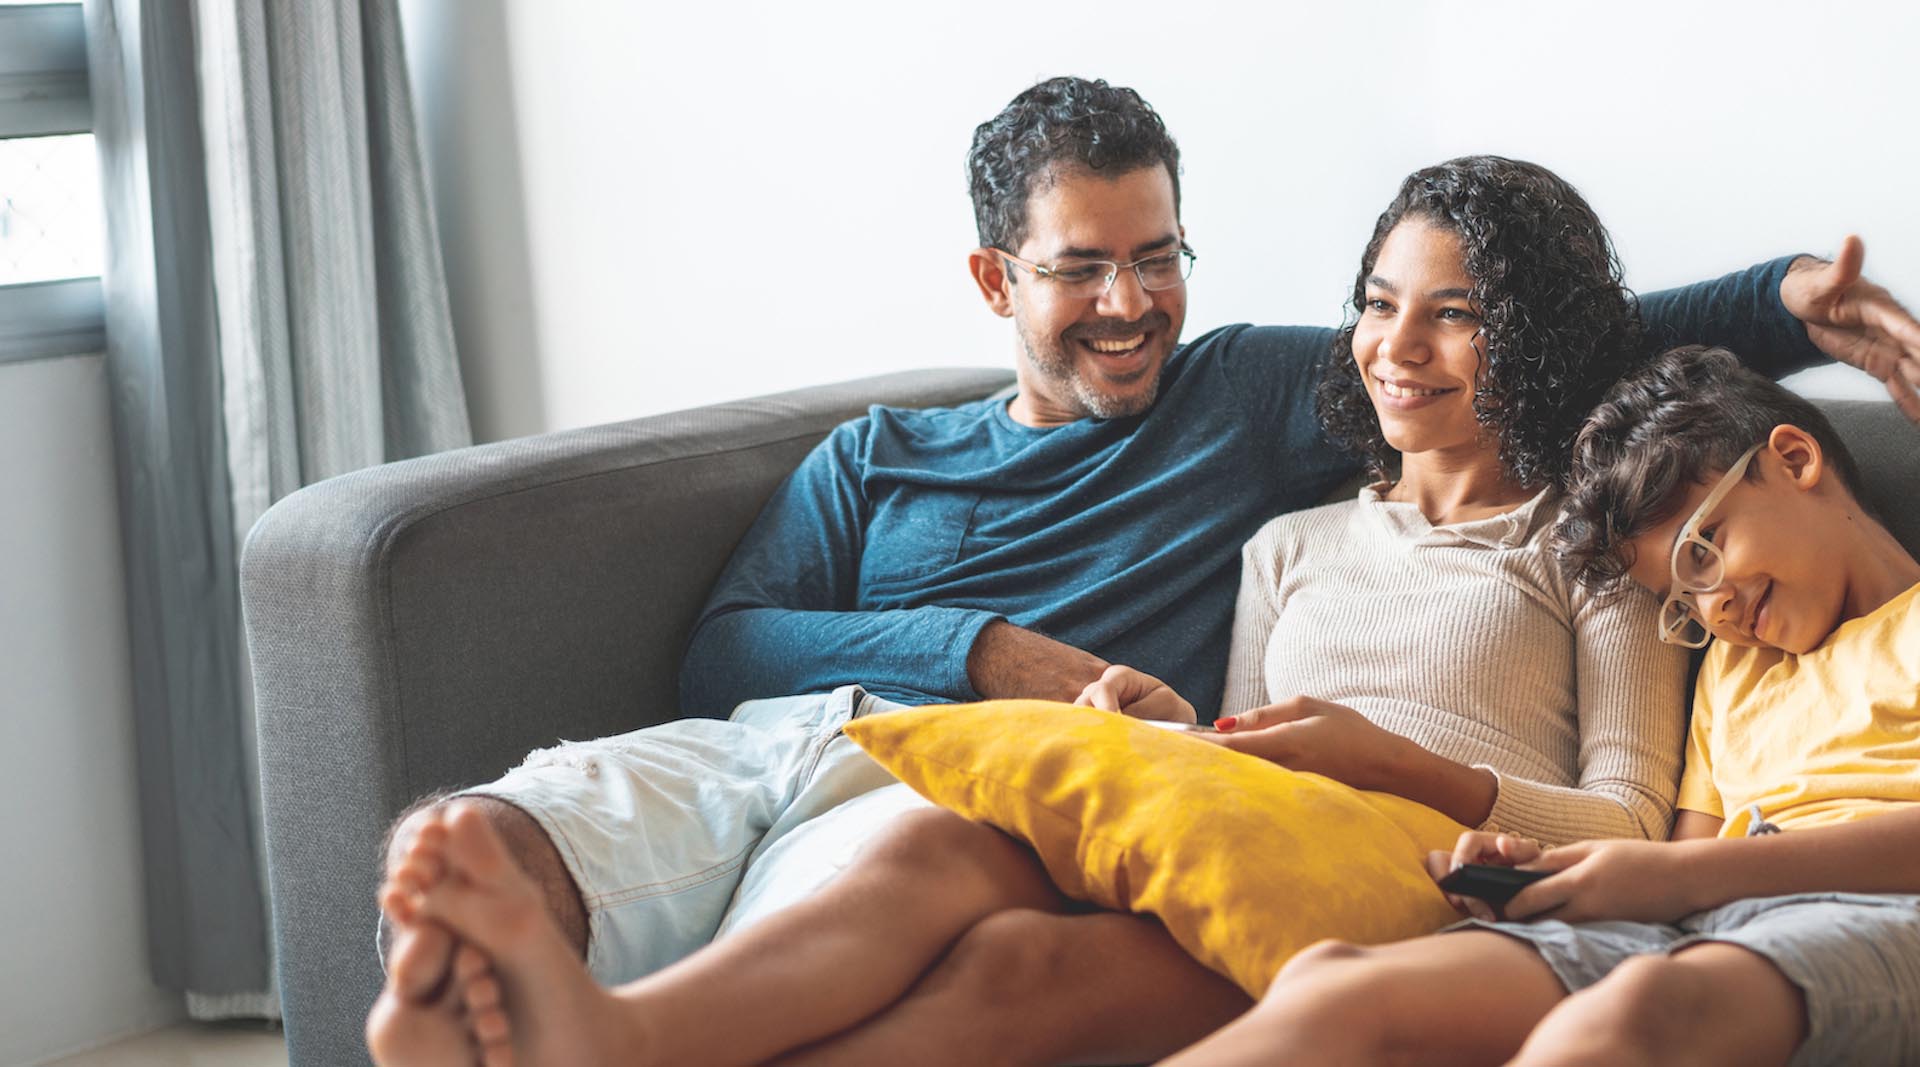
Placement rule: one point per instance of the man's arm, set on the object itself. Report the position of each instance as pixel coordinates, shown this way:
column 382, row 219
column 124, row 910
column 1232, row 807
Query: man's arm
column 1795, row 312
column 783, row 617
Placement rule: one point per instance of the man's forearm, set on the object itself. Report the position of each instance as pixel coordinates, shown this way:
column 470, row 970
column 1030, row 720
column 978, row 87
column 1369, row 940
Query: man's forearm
column 1007, row 661
column 1874, row 855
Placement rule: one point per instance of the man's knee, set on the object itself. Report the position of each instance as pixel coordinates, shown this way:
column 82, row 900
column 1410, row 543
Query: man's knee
column 936, row 844
column 526, row 841
column 1008, row 959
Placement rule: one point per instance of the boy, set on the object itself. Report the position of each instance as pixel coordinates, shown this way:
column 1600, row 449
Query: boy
column 1781, row 924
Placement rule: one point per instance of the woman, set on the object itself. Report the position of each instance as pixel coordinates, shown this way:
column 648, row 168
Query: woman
column 1444, row 658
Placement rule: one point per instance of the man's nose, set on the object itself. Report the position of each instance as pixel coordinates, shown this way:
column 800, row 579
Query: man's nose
column 1126, row 298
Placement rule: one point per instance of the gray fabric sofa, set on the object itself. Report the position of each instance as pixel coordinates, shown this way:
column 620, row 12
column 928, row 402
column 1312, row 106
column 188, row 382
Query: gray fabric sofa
column 423, row 625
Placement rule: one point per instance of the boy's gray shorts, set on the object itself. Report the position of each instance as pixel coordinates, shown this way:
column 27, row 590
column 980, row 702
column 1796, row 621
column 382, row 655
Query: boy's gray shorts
column 1856, row 959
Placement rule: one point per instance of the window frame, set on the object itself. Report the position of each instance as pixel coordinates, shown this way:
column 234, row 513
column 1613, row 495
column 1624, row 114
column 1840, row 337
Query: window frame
column 43, row 93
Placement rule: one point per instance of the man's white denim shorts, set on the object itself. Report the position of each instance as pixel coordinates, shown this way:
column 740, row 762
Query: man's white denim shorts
column 657, row 826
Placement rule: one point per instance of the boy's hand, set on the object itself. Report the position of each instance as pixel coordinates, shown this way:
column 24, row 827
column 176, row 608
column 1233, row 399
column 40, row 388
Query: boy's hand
column 1480, row 846
column 1136, row 694
column 1304, row 734
column 1644, row 881
column 1857, row 322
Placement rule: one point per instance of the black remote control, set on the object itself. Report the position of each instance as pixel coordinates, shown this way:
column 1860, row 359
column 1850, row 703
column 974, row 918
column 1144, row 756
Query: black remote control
column 1495, row 885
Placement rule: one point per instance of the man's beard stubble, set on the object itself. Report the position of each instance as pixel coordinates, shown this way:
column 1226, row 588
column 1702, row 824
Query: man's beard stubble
column 1055, row 364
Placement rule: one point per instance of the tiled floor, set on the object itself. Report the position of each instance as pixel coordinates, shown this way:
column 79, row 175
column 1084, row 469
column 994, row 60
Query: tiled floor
column 190, row 1045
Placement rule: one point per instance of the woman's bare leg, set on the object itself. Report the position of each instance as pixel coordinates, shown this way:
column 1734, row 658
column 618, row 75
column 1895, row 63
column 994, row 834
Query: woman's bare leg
column 1460, row 998
column 1029, row 987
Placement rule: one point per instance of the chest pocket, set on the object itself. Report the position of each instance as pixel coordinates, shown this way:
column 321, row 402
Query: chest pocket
column 915, row 533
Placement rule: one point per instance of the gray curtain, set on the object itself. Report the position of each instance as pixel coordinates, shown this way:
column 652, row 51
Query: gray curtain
column 276, row 314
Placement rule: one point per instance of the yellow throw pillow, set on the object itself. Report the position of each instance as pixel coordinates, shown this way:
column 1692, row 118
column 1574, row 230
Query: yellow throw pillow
column 1244, row 861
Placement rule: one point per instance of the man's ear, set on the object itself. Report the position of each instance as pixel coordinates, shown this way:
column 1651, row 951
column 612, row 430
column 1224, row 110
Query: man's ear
column 1798, row 455
column 990, row 274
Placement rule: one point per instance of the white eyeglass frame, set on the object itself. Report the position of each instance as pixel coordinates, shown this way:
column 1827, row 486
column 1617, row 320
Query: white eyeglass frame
column 1685, row 596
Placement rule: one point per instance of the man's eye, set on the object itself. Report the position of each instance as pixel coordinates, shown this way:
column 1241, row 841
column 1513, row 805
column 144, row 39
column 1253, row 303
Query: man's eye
column 1081, row 273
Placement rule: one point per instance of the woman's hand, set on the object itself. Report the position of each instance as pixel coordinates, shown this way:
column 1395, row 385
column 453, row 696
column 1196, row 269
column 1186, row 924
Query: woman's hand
column 1480, row 846
column 1137, row 694
column 1304, row 734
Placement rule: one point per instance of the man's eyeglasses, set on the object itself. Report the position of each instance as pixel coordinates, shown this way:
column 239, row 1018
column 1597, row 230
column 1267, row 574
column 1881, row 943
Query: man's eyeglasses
column 1697, row 567
column 1089, row 278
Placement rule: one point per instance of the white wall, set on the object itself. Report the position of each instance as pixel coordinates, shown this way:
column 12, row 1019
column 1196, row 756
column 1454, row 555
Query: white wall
column 74, row 972
column 653, row 206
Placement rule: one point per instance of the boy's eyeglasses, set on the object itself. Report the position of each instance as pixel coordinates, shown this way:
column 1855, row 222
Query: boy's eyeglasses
column 1084, row 279
column 1697, row 567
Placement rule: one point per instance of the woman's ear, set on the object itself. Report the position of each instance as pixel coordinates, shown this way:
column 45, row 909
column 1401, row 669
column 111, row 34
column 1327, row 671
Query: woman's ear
column 1797, row 454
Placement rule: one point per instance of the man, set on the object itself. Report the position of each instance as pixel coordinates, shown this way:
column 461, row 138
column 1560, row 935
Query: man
column 1014, row 548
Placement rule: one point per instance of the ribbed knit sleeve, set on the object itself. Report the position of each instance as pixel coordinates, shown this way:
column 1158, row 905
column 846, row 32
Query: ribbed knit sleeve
column 1254, row 611
column 1631, row 694
column 1467, row 640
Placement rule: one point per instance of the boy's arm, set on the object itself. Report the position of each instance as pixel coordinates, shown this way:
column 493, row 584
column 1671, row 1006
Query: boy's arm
column 1661, row 882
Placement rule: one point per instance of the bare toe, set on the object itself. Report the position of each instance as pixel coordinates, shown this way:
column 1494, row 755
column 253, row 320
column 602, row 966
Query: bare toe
column 421, row 960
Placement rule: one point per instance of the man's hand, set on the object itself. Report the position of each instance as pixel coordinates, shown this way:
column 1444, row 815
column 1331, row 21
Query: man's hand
column 1008, row 662
column 1479, row 846
column 1137, row 694
column 1856, row 321
column 1644, row 881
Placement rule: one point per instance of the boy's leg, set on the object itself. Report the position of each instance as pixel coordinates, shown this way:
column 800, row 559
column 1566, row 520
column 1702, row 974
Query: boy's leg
column 1708, row 1004
column 1029, row 987
column 802, row 974
column 1457, row 998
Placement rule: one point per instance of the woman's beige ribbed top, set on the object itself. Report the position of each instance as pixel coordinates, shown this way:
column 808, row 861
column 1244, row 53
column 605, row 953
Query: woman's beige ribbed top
column 1467, row 639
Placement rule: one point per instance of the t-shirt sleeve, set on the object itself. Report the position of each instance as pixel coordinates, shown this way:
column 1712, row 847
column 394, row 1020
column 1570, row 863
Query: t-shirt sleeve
column 1255, row 611
column 1631, row 690
column 783, row 617
column 1697, row 791
column 1740, row 311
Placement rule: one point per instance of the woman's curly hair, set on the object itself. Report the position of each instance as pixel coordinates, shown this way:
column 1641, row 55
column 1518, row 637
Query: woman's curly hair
column 1557, row 325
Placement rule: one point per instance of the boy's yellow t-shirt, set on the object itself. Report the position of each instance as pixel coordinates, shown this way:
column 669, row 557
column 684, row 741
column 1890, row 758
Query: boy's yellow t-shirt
column 1824, row 737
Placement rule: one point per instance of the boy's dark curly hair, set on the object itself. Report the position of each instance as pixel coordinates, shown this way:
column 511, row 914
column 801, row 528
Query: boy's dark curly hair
column 1061, row 123
column 1680, row 420
column 1557, row 324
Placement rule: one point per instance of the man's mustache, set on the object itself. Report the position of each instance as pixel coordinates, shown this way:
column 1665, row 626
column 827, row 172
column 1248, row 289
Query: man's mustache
column 1115, row 331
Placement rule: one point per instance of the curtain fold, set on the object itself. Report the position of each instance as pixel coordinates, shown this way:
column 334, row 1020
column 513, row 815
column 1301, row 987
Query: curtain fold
column 277, row 314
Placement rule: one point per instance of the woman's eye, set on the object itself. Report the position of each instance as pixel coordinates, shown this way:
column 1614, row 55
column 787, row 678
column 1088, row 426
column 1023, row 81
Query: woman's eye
column 1458, row 315
column 1377, row 304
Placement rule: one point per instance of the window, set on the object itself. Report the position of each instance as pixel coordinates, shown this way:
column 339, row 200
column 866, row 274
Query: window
column 51, row 219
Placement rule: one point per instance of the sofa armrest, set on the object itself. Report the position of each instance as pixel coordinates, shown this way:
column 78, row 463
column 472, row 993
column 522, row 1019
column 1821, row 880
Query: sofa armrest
column 423, row 625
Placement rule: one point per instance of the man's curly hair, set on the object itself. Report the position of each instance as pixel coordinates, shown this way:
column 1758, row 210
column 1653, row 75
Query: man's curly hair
column 1557, row 324
column 1681, row 420
column 1059, row 126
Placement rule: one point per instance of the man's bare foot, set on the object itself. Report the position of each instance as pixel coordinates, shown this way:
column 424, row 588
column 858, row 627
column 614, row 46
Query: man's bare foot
column 544, row 1007
column 460, row 1023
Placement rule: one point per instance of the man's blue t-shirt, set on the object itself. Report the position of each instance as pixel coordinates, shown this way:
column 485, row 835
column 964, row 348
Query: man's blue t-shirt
column 907, row 531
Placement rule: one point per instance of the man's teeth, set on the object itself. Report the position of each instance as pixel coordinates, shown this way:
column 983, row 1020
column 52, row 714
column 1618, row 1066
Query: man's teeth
column 1395, row 391
column 1125, row 344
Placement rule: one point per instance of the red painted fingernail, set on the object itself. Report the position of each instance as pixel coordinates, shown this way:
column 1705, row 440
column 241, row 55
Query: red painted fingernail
column 1226, row 723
